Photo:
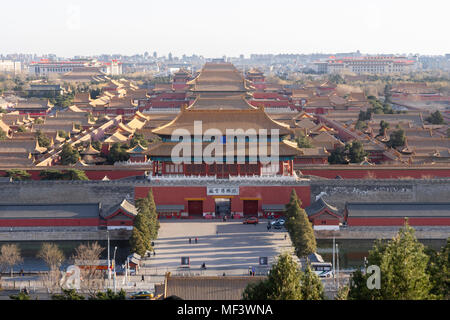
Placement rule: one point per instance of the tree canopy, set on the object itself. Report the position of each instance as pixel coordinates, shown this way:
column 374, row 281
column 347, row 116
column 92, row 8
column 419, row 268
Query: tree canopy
column 117, row 153
column 299, row 227
column 403, row 269
column 338, row 156
column 146, row 225
column 286, row 282
column 18, row 175
column 43, row 140
column 138, row 138
column 383, row 126
column 304, row 141
column 435, row 118
column 397, row 138
column 69, row 155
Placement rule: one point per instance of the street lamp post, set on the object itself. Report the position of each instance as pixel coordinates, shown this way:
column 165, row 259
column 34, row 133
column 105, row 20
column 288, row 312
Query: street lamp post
column 337, row 258
column 115, row 288
column 109, row 262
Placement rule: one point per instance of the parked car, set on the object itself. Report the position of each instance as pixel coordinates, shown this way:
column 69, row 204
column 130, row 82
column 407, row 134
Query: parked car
column 277, row 225
column 326, row 274
column 280, row 221
column 251, row 220
column 142, row 295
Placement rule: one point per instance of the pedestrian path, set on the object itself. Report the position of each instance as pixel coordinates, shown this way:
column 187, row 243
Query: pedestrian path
column 225, row 247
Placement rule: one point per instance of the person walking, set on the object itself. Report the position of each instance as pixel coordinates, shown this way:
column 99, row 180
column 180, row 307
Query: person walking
column 196, row 240
column 143, row 278
column 190, row 241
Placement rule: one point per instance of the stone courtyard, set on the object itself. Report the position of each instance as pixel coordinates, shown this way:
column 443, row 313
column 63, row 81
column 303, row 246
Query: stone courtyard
column 225, row 247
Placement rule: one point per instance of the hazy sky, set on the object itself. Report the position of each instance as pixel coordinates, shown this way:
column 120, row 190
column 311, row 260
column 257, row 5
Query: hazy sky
column 228, row 27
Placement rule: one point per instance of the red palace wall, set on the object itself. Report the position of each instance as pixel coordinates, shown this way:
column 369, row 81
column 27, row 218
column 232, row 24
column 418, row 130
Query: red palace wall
column 317, row 160
column 327, row 222
column 179, row 195
column 352, row 222
column 88, row 222
column 327, row 171
column 91, row 174
column 364, row 173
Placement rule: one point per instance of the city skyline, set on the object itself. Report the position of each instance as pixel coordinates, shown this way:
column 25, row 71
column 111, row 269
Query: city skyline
column 82, row 28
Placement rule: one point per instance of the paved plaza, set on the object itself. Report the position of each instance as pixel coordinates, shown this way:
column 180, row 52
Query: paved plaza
column 224, row 247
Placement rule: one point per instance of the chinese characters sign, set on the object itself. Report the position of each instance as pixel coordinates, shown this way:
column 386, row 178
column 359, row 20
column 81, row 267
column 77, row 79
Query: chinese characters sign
column 222, row 191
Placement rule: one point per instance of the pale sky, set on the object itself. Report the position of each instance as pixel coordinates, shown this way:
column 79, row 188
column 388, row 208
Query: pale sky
column 229, row 27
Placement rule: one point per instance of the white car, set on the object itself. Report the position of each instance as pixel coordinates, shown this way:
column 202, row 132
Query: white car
column 324, row 274
column 279, row 221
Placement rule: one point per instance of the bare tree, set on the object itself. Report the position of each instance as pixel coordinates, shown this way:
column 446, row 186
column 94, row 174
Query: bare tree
column 87, row 257
column 53, row 257
column 10, row 256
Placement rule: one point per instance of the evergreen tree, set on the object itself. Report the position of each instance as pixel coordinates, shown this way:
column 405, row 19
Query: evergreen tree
column 383, row 126
column 356, row 152
column 283, row 282
column 109, row 295
column 152, row 215
column 439, row 271
column 397, row 138
column 68, row 294
column 358, row 289
column 138, row 243
column 69, row 155
column 360, row 125
column 338, row 156
column 311, row 286
column 18, row 175
column 403, row 266
column 299, row 227
column 43, row 140
column 75, row 174
column 292, row 200
column 436, row 118
column 146, row 225
column 63, row 134
column 117, row 153
column 138, row 138
column 303, row 141
column 342, row 293
column 51, row 175
column 365, row 115
column 257, row 291
column 142, row 222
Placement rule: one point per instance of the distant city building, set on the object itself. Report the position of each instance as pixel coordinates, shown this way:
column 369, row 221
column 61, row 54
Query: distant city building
column 361, row 65
column 113, row 68
column 45, row 67
column 10, row 66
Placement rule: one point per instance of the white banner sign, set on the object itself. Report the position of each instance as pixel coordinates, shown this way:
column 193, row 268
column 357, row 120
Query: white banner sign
column 222, row 191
